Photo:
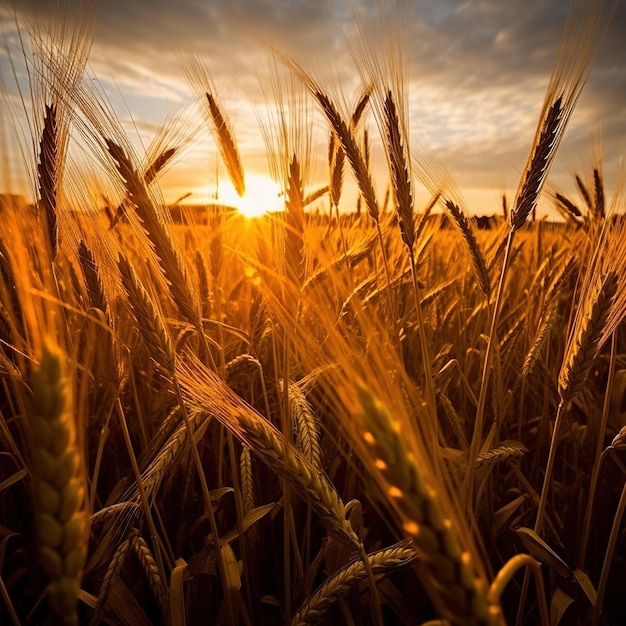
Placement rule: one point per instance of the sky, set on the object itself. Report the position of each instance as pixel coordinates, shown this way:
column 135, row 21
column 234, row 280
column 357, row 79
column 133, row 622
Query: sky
column 477, row 74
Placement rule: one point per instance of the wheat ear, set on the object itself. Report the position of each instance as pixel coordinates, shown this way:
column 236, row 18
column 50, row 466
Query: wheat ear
column 149, row 320
column 150, row 568
column 452, row 581
column 91, row 275
column 204, row 391
column 538, row 164
column 304, row 423
column 341, row 582
column 246, row 479
column 47, row 173
column 351, row 148
column 227, row 145
column 112, row 575
column 59, row 496
column 170, row 261
column 400, row 172
column 158, row 164
column 294, row 218
column 464, row 227
column 577, row 362
column 582, row 349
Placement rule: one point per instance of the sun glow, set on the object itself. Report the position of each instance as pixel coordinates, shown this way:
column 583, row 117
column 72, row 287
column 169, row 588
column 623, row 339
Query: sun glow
column 262, row 196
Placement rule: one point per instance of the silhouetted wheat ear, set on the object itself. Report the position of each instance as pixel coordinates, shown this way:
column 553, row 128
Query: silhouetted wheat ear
column 47, row 174
column 538, row 165
column 353, row 153
column 598, row 188
column 567, row 207
column 453, row 583
column 59, row 503
column 336, row 160
column 400, row 176
column 583, row 347
column 227, row 145
column 464, row 227
column 584, row 192
column 382, row 562
column 294, row 218
column 158, row 164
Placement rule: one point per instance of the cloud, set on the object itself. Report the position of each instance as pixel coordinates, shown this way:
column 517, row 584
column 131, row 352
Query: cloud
column 478, row 68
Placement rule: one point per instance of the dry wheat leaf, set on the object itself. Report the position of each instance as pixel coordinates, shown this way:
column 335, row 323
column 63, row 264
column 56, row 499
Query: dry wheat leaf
column 617, row 413
column 11, row 480
column 586, row 585
column 558, row 606
column 540, row 550
column 177, row 598
column 232, row 574
column 504, row 514
column 249, row 520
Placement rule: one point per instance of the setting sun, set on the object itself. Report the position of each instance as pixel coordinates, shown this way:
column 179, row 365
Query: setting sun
column 262, row 196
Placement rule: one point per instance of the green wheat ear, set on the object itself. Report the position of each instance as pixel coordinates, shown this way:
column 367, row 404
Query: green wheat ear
column 59, row 503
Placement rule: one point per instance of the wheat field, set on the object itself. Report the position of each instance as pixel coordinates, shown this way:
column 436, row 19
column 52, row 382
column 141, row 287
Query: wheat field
column 373, row 414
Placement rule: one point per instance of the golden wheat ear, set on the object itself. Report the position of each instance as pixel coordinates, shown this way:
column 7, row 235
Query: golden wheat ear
column 59, row 502
column 452, row 579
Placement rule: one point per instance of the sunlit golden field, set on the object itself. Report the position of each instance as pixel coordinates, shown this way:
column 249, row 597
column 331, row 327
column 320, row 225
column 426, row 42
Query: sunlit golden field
column 329, row 414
